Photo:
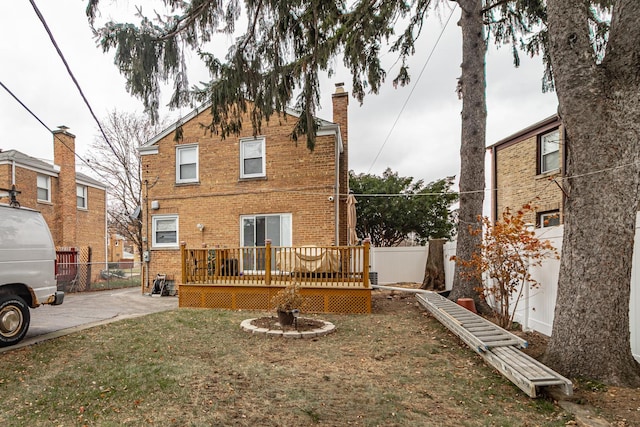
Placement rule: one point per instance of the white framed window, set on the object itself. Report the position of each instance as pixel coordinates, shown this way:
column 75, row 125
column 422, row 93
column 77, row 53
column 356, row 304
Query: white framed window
column 252, row 158
column 187, row 163
column 165, row 231
column 548, row 219
column 44, row 188
column 550, row 151
column 81, row 196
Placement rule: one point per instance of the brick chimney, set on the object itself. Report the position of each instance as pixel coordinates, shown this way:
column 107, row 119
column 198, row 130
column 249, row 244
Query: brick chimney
column 340, row 101
column 65, row 204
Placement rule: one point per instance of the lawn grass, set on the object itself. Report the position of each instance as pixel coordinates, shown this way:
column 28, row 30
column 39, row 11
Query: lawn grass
column 197, row 367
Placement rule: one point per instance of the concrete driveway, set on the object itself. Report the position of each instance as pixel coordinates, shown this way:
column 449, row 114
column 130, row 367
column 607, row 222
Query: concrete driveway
column 85, row 310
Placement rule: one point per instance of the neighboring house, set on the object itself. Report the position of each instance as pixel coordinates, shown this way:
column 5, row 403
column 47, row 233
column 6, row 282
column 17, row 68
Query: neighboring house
column 73, row 204
column 121, row 251
column 528, row 167
column 206, row 191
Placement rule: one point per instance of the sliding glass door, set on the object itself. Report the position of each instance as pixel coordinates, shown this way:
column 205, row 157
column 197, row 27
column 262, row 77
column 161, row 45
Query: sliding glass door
column 255, row 230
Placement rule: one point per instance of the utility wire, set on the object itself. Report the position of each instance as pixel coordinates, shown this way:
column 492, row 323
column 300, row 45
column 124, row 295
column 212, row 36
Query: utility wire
column 49, row 129
column 75, row 81
column 363, row 195
column 413, row 88
column 23, row 105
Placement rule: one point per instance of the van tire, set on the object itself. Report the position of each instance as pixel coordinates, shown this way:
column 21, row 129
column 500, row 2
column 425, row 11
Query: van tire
column 14, row 319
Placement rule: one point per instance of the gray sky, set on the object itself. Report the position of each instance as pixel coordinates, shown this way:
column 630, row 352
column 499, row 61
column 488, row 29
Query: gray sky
column 424, row 143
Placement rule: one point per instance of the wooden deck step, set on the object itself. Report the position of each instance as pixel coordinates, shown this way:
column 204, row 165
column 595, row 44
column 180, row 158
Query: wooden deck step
column 499, row 348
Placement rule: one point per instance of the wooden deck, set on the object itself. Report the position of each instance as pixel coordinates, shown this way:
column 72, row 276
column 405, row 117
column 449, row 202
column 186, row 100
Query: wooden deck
column 333, row 279
column 498, row 347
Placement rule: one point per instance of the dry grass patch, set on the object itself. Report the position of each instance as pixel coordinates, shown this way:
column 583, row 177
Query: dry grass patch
column 396, row 367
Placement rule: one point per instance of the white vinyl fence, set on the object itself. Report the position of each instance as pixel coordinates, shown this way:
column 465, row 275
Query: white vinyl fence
column 536, row 308
column 399, row 264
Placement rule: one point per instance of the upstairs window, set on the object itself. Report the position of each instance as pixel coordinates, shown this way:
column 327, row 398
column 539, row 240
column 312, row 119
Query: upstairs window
column 81, row 196
column 44, row 188
column 165, row 231
column 187, row 163
column 550, row 151
column 252, row 158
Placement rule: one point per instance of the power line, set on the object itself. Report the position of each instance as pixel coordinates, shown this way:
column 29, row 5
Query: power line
column 23, row 105
column 50, row 131
column 75, row 81
column 413, row 88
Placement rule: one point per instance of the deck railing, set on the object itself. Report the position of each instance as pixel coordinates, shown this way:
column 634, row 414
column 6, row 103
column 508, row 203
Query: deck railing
column 311, row 266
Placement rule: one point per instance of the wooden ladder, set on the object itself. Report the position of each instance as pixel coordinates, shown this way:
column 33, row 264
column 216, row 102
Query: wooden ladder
column 498, row 347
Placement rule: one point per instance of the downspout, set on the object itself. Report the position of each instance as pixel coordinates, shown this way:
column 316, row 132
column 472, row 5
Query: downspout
column 106, row 231
column 13, row 172
column 494, row 185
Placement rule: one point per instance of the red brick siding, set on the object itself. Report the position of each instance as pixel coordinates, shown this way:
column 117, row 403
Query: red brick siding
column 297, row 181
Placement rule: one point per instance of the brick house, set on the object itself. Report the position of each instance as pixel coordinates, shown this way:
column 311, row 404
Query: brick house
column 205, row 191
column 527, row 167
column 120, row 250
column 73, row 204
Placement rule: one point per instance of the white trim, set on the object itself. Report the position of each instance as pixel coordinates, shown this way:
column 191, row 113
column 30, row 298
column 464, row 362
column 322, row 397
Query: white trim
column 80, row 181
column 549, row 153
column 179, row 150
column 155, row 218
column 285, row 237
column 48, row 188
column 85, row 196
column 263, row 148
column 146, row 151
column 146, row 148
column 555, row 214
column 332, row 129
column 21, row 164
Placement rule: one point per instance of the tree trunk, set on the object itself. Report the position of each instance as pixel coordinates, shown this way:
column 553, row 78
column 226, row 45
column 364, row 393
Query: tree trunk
column 434, row 270
column 600, row 109
column 471, row 87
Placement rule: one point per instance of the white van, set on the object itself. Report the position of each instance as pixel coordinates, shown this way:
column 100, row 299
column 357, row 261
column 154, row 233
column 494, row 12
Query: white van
column 27, row 270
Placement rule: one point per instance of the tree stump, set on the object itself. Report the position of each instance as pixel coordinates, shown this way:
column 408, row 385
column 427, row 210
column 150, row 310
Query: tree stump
column 434, row 270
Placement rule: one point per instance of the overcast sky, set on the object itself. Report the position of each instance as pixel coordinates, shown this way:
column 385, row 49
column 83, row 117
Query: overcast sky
column 424, row 143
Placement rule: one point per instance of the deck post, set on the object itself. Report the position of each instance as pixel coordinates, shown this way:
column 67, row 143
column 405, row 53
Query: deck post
column 267, row 262
column 183, row 254
column 365, row 263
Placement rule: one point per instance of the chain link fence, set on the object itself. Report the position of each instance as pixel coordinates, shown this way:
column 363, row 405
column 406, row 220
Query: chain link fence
column 94, row 276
